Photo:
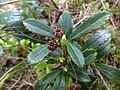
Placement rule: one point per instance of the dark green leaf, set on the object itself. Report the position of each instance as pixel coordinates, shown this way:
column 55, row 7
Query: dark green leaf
column 38, row 54
column 60, row 83
column 109, row 71
column 38, row 27
column 51, row 76
column 81, row 76
column 40, row 86
column 90, row 24
column 105, row 49
column 65, row 22
column 90, row 56
column 43, row 83
column 57, row 52
column 76, row 54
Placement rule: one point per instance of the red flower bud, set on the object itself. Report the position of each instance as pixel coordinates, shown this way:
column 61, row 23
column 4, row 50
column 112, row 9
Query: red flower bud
column 52, row 45
column 75, row 86
column 58, row 32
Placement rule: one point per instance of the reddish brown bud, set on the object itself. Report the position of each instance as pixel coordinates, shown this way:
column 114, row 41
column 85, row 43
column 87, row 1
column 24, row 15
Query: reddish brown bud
column 75, row 86
column 58, row 32
column 52, row 45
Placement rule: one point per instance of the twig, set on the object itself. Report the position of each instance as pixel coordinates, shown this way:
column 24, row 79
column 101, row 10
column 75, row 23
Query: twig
column 111, row 60
column 102, row 2
column 9, row 2
column 93, row 84
column 28, row 83
column 80, row 21
column 20, row 77
column 54, row 4
column 101, row 77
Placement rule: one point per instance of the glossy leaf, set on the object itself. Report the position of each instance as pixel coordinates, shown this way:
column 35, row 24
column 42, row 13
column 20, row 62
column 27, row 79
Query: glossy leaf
column 9, row 17
column 38, row 27
column 75, row 54
column 38, row 54
column 105, row 49
column 60, row 83
column 91, row 24
column 51, row 76
column 109, row 71
column 65, row 22
column 99, row 41
column 90, row 56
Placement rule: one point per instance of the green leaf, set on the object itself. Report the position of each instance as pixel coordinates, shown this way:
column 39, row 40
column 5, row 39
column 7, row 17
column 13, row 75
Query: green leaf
column 90, row 56
column 109, row 71
column 57, row 52
column 76, row 54
column 43, row 83
column 90, row 24
column 41, row 65
column 9, row 17
column 51, row 76
column 60, row 83
column 38, row 54
column 14, row 26
column 100, row 41
column 106, row 48
column 40, row 86
column 65, row 22
column 77, row 45
column 42, row 74
column 81, row 75
column 38, row 27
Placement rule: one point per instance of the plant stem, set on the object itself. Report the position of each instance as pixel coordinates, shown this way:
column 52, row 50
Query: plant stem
column 102, row 2
column 101, row 77
column 9, row 2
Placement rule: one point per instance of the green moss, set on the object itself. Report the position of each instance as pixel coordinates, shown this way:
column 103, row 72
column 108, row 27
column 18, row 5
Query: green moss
column 117, row 12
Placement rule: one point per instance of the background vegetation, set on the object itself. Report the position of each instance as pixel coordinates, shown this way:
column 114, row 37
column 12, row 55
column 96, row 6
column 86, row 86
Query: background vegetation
column 16, row 42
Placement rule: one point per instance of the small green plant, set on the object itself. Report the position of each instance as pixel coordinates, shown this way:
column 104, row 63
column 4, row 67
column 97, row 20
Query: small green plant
column 65, row 64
